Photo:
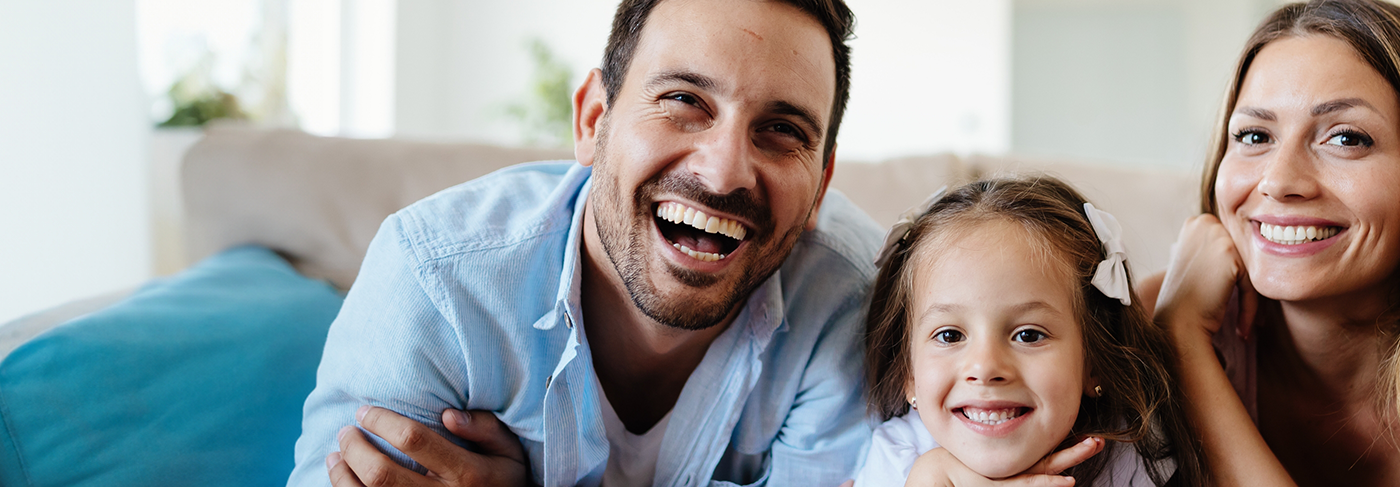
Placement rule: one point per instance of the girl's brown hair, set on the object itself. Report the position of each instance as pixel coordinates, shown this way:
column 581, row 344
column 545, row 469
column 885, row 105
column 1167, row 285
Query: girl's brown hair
column 1128, row 354
column 1372, row 29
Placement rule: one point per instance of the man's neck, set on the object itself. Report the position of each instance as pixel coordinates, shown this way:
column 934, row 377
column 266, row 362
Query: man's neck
column 641, row 364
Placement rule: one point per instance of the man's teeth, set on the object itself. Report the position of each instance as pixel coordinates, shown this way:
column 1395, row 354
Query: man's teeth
column 1294, row 235
column 685, row 215
column 991, row 416
column 705, row 256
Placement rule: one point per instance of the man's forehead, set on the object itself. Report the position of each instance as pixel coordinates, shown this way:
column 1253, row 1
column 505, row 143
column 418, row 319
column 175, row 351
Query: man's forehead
column 752, row 47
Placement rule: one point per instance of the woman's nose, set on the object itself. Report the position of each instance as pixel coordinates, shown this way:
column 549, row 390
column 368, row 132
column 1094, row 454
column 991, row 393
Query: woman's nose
column 1290, row 174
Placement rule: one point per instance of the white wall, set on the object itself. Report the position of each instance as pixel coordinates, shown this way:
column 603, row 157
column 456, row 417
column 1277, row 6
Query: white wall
column 1125, row 81
column 928, row 75
column 73, row 133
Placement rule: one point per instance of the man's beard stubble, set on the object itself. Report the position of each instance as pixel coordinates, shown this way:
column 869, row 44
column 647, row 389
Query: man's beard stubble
column 626, row 246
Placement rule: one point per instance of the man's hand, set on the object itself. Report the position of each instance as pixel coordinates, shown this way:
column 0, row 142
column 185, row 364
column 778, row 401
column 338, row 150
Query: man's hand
column 500, row 462
column 938, row 468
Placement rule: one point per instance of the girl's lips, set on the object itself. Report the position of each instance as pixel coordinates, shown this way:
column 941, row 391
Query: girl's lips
column 994, row 429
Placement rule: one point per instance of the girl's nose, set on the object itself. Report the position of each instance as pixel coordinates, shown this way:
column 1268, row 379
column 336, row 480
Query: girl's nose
column 988, row 364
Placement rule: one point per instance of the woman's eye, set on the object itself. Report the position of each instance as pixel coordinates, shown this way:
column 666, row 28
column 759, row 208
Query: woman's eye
column 1350, row 139
column 1252, row 137
column 1029, row 336
column 948, row 336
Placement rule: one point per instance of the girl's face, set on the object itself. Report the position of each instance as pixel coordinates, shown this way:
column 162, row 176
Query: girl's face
column 998, row 356
column 1307, row 188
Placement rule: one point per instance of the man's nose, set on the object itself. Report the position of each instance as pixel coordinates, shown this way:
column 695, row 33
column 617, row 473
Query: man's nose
column 988, row 363
column 1290, row 174
column 726, row 158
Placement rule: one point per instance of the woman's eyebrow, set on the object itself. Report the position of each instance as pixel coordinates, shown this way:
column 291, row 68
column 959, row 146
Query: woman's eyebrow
column 1258, row 113
column 1339, row 105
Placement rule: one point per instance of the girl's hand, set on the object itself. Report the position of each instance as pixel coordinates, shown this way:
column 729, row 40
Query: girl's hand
column 1204, row 270
column 938, row 468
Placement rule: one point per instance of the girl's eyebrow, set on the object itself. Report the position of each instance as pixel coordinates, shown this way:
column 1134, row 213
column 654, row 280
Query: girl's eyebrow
column 955, row 308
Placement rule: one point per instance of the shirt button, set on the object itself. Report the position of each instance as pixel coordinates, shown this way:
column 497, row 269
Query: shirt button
column 569, row 322
column 547, row 380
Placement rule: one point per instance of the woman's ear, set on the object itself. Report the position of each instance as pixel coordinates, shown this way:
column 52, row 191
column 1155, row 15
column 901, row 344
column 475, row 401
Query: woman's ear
column 590, row 106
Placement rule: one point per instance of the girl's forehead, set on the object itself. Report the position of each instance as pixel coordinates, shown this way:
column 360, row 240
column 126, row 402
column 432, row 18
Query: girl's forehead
column 989, row 264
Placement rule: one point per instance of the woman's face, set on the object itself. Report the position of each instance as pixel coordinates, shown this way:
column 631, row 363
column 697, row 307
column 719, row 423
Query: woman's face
column 1309, row 188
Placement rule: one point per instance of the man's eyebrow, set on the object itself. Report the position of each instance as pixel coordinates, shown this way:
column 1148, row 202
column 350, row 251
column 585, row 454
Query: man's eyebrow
column 1339, row 105
column 808, row 118
column 667, row 77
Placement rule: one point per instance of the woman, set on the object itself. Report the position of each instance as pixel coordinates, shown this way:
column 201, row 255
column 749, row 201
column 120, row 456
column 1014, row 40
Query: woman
column 1298, row 251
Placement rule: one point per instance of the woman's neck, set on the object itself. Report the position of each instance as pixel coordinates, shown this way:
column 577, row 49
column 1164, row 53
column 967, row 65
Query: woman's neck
column 1333, row 345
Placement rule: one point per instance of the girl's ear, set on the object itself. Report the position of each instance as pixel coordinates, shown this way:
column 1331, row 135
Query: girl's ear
column 1092, row 388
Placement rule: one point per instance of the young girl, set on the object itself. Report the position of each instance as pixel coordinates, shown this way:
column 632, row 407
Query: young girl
column 1003, row 328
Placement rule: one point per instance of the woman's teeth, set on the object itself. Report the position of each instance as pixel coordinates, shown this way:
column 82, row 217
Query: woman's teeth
column 1294, row 235
column 991, row 417
column 685, row 215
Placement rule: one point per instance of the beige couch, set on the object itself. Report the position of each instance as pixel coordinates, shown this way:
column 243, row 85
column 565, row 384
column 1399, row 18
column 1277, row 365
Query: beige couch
column 319, row 201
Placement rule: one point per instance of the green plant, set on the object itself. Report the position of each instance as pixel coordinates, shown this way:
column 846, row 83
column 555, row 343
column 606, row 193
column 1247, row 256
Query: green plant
column 546, row 113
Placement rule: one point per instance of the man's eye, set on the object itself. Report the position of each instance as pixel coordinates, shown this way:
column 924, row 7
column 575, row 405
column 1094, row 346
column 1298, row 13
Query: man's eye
column 1029, row 336
column 786, row 129
column 685, row 98
column 948, row 336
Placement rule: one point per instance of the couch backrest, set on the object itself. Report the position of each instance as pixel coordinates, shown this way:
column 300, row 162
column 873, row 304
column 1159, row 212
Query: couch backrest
column 320, row 200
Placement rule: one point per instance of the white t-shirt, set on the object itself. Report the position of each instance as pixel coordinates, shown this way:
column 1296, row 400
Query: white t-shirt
column 898, row 442
column 631, row 458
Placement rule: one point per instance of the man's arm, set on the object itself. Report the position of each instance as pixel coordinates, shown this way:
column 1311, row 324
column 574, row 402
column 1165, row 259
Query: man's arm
column 389, row 347
column 827, row 429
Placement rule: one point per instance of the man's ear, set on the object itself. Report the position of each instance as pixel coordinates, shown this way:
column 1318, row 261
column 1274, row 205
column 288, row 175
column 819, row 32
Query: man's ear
column 821, row 192
column 590, row 105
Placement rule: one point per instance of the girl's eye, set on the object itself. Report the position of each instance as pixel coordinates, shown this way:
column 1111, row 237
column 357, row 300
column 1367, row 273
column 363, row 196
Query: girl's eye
column 1029, row 336
column 1252, row 137
column 948, row 336
column 1350, row 139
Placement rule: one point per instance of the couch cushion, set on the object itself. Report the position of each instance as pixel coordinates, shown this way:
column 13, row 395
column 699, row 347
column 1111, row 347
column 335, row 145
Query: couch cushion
column 318, row 200
column 197, row 379
column 886, row 189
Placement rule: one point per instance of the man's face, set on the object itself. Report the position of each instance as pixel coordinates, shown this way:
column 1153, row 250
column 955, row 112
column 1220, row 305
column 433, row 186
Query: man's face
column 723, row 112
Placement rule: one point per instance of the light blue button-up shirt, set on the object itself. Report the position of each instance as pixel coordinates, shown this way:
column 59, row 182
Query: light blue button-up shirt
column 469, row 299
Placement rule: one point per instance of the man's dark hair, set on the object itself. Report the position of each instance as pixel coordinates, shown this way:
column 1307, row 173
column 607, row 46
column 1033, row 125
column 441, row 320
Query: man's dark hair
column 834, row 16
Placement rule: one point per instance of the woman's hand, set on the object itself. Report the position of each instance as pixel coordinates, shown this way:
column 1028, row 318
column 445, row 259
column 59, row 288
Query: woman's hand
column 938, row 468
column 1205, row 269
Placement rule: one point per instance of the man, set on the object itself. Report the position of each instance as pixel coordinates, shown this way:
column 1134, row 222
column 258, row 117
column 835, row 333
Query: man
column 673, row 308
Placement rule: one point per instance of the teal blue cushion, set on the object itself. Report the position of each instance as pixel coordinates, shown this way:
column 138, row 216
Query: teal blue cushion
column 197, row 379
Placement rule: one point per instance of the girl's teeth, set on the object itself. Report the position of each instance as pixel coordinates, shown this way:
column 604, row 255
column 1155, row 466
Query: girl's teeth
column 994, row 417
column 1296, row 234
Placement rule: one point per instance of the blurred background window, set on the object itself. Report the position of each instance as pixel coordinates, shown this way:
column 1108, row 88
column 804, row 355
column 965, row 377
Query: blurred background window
column 99, row 99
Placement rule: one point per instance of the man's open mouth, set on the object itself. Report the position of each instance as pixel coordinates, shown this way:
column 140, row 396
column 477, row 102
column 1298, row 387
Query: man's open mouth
column 703, row 237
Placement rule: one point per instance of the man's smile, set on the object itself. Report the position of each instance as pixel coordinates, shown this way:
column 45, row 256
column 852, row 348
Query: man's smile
column 702, row 236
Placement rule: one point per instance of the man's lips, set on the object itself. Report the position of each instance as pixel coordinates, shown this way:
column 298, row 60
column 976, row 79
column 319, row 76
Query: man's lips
column 698, row 234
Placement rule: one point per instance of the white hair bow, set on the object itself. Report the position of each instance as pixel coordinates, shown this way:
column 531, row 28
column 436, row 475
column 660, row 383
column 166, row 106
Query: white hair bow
column 1111, row 277
column 901, row 228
